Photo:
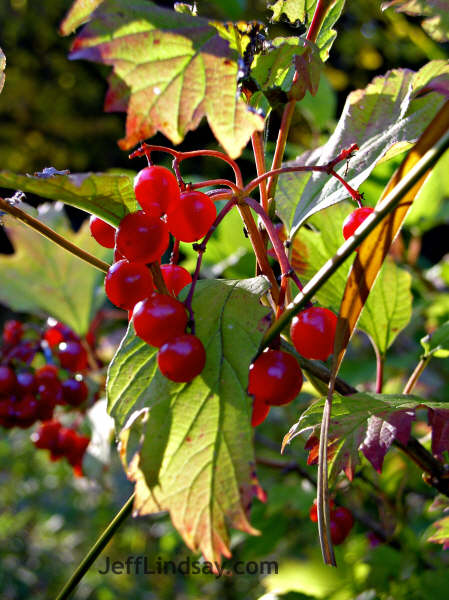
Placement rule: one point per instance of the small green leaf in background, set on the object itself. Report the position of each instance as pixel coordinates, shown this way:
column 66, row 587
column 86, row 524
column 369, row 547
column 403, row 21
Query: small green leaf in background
column 107, row 195
column 436, row 23
column 437, row 343
column 43, row 279
column 189, row 69
column 196, row 459
column 2, row 69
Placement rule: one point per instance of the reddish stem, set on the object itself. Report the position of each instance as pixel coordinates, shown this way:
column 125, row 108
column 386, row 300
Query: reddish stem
column 257, row 142
column 318, row 17
column 174, row 257
column 214, row 182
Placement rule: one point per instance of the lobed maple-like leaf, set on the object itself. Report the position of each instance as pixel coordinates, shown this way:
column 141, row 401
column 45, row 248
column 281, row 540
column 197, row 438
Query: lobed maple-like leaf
column 194, row 456
column 170, row 70
column 436, row 13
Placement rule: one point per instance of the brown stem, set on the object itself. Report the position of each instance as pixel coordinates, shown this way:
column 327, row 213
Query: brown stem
column 416, row 374
column 158, row 280
column 50, row 234
column 257, row 142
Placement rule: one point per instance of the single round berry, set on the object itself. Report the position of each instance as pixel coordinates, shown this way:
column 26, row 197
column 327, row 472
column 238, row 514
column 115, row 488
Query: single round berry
column 26, row 383
column 338, row 534
column 354, row 220
column 57, row 332
column 156, row 189
column 182, row 358
column 159, row 318
column 142, row 237
column 260, row 412
column 12, row 332
column 72, row 356
column 275, row 377
column 343, row 517
column 192, row 218
column 102, row 232
column 175, row 278
column 74, row 391
column 26, row 411
column 313, row 332
column 8, row 380
column 126, row 283
column 46, row 437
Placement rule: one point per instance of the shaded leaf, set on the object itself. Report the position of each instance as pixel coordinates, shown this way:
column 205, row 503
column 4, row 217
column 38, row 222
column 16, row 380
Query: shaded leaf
column 2, row 69
column 43, row 279
column 189, row 71
column 196, row 459
column 110, row 196
column 436, row 23
column 78, row 14
column 439, row 421
column 383, row 119
column 437, row 343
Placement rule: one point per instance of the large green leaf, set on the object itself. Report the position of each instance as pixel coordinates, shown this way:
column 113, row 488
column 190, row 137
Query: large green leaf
column 108, row 195
column 43, row 279
column 196, row 459
column 383, row 119
column 170, row 70
column 302, row 11
column 436, row 23
column 2, row 69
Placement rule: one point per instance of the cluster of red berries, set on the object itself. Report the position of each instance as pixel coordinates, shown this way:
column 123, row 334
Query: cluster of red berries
column 29, row 394
column 275, row 378
column 142, row 238
column 341, row 523
column 62, row 442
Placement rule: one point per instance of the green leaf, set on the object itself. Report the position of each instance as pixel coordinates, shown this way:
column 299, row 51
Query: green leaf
column 436, row 12
column 302, row 11
column 171, row 70
column 439, row 532
column 196, row 459
column 383, row 119
column 78, row 14
column 437, row 343
column 2, row 69
column 107, row 195
column 44, row 279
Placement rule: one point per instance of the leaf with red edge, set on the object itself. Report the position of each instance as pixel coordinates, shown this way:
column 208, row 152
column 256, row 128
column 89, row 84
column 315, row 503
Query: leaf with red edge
column 439, row 421
column 171, row 70
column 78, row 14
column 439, row 532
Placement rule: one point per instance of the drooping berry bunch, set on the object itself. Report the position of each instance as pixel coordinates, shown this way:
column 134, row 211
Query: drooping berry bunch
column 142, row 238
column 341, row 522
column 62, row 442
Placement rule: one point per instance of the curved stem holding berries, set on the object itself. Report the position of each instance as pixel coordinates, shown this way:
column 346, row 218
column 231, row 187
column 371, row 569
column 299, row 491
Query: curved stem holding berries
column 50, row 234
column 215, row 182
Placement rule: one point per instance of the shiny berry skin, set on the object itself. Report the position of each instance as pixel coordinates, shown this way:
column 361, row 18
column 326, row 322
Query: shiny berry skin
column 74, row 391
column 175, row 278
column 354, row 220
column 58, row 332
column 142, row 237
column 313, row 512
column 192, row 218
column 12, row 332
column 8, row 380
column 156, row 189
column 72, row 356
column 126, row 283
column 260, row 412
column 313, row 332
column 182, row 358
column 26, row 383
column 102, row 232
column 159, row 318
column 275, row 377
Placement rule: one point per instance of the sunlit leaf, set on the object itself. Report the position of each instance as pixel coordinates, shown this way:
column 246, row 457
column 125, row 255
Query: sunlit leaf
column 436, row 23
column 437, row 343
column 78, row 14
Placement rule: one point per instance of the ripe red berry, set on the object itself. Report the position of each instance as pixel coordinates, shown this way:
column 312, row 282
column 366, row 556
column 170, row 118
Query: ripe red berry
column 47, row 435
column 275, row 377
column 156, row 189
column 313, row 512
column 182, row 358
column 338, row 534
column 175, row 278
column 192, row 217
column 142, row 237
column 26, row 383
column 260, row 412
column 72, row 356
column 102, row 232
column 313, row 332
column 8, row 380
column 12, row 332
column 159, row 318
column 354, row 220
column 343, row 517
column 126, row 283
column 74, row 391
column 58, row 332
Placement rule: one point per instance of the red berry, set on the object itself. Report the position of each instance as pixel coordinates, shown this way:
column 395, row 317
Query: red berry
column 47, row 373
column 72, row 356
column 260, row 412
column 46, row 436
column 338, row 534
column 74, row 391
column 354, row 220
column 313, row 512
column 343, row 517
column 182, row 358
column 175, row 278
column 26, row 411
column 275, row 378
column 192, row 218
column 7, row 418
column 12, row 332
column 156, row 189
column 313, row 332
column 126, row 283
column 58, row 332
column 159, row 318
column 102, row 232
column 26, row 383
column 76, row 453
column 142, row 237
column 8, row 380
